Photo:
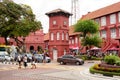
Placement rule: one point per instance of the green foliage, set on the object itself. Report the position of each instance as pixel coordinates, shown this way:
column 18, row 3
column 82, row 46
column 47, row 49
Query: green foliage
column 86, row 26
column 91, row 40
column 89, row 31
column 118, row 63
column 104, row 71
column 111, row 59
column 85, row 57
column 17, row 20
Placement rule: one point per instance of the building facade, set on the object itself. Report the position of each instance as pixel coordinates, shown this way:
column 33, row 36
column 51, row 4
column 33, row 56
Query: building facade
column 34, row 41
column 109, row 20
column 58, row 44
column 61, row 36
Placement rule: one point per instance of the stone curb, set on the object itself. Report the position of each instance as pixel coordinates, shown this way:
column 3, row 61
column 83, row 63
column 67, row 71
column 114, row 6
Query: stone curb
column 86, row 72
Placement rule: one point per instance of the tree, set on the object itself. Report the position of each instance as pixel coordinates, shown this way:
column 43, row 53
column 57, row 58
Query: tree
column 89, row 31
column 16, row 20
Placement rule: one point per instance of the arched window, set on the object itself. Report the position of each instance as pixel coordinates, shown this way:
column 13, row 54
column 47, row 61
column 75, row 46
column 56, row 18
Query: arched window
column 52, row 36
column 58, row 36
column 72, row 41
column 66, row 36
column 103, row 21
column 62, row 36
column 119, row 17
column 112, row 18
column 76, row 40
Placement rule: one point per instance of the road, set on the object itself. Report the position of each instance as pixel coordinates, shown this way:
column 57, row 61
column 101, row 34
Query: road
column 51, row 71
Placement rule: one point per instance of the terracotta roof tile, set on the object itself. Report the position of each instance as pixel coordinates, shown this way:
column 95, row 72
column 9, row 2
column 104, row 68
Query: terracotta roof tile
column 57, row 11
column 71, row 31
column 103, row 11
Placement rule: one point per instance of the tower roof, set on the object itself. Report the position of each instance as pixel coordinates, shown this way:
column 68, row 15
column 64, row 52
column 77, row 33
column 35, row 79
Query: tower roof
column 57, row 12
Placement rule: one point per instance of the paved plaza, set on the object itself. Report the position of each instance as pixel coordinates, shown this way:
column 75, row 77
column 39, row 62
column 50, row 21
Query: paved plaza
column 51, row 71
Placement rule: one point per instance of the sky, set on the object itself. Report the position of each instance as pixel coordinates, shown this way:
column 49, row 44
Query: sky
column 40, row 7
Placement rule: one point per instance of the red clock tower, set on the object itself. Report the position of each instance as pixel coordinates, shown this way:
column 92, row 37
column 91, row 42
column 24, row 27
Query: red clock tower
column 58, row 32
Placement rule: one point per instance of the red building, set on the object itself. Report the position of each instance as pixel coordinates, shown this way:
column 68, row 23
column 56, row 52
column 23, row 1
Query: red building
column 58, row 43
column 109, row 21
column 61, row 37
column 34, row 41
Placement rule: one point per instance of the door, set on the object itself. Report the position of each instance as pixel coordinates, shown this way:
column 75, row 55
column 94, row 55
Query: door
column 55, row 53
column 64, row 51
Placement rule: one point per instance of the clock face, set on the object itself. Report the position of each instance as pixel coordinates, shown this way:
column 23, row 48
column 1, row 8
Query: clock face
column 54, row 22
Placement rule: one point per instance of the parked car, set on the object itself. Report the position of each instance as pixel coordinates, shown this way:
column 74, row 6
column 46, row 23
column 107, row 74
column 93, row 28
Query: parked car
column 38, row 58
column 5, row 58
column 48, row 59
column 8, row 57
column 2, row 58
column 70, row 59
column 29, row 57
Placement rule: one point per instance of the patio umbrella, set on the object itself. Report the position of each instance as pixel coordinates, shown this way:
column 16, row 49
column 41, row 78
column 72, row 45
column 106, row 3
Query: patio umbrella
column 95, row 48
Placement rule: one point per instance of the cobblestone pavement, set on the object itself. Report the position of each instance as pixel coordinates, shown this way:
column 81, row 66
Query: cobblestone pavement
column 51, row 71
column 43, row 71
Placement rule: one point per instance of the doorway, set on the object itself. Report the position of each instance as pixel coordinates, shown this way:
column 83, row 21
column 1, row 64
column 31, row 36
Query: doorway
column 55, row 54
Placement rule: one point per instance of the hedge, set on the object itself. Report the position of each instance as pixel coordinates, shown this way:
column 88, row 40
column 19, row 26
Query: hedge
column 108, row 72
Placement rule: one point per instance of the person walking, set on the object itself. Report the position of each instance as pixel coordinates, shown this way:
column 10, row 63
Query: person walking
column 25, row 61
column 33, row 62
column 44, row 57
column 19, row 61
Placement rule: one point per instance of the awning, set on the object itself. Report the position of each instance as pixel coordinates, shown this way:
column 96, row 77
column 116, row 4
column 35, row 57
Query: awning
column 73, row 47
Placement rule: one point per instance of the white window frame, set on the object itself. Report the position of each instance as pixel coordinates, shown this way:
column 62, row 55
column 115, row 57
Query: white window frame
column 97, row 20
column 113, row 32
column 119, row 17
column 76, row 40
column 58, row 36
column 52, row 36
column 69, row 41
column 72, row 41
column 119, row 31
column 112, row 19
column 103, row 34
column 66, row 36
column 103, row 21
column 62, row 36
